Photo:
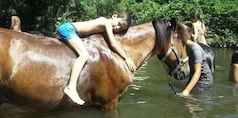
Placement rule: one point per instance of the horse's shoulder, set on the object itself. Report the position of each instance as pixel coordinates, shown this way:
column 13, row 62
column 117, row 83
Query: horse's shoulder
column 101, row 54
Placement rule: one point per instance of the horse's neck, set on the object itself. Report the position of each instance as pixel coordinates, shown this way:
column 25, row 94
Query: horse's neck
column 139, row 43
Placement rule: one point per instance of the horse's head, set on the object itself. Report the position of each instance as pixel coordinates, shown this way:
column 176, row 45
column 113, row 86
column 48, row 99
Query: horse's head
column 171, row 48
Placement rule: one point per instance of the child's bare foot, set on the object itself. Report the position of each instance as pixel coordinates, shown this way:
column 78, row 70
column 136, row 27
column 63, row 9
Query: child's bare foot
column 73, row 94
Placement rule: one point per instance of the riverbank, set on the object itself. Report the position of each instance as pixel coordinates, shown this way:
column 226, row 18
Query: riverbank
column 218, row 43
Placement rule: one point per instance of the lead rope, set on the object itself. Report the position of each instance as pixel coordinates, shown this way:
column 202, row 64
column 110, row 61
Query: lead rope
column 172, row 86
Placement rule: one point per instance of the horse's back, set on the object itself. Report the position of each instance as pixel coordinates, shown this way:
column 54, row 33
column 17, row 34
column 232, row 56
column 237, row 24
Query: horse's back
column 33, row 69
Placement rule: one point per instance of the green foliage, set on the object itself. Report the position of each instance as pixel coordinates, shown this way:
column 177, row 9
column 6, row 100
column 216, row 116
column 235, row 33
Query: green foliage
column 89, row 9
column 219, row 16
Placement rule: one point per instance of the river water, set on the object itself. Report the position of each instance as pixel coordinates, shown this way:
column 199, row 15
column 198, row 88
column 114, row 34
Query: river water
column 150, row 96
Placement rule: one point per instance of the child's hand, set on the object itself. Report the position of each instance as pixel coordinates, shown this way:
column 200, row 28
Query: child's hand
column 130, row 64
column 182, row 94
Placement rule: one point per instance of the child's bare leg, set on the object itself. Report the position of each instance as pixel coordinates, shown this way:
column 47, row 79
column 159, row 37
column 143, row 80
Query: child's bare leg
column 71, row 89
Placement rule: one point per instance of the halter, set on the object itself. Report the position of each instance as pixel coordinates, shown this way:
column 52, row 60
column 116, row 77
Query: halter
column 176, row 72
column 179, row 72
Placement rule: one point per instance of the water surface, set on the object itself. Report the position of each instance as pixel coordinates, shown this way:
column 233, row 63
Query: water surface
column 150, row 96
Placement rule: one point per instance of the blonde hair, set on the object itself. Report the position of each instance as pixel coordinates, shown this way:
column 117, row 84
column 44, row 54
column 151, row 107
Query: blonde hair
column 185, row 32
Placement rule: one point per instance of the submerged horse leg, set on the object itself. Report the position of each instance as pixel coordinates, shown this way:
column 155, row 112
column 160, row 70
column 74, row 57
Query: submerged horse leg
column 111, row 105
column 2, row 99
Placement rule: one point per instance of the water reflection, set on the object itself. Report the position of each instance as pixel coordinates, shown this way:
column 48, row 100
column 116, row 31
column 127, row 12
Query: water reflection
column 69, row 113
column 235, row 93
column 235, row 90
column 135, row 87
column 197, row 105
column 141, row 78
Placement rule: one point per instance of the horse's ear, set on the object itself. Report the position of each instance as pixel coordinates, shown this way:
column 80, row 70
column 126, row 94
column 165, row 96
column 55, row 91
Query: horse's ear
column 173, row 23
column 154, row 22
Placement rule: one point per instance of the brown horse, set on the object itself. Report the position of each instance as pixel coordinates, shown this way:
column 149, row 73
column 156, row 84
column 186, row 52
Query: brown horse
column 34, row 70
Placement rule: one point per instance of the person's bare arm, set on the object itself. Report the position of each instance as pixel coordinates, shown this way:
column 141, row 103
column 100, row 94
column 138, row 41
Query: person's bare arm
column 12, row 22
column 234, row 73
column 116, row 46
column 194, row 80
column 204, row 29
column 195, row 36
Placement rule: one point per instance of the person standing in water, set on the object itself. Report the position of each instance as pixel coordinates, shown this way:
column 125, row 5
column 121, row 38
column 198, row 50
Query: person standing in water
column 71, row 32
column 234, row 67
column 201, row 76
column 198, row 28
column 15, row 20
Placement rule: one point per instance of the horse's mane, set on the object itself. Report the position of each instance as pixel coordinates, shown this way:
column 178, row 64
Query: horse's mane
column 164, row 29
column 135, row 24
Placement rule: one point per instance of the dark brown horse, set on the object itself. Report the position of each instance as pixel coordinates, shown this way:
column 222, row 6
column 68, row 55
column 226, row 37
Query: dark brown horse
column 34, row 70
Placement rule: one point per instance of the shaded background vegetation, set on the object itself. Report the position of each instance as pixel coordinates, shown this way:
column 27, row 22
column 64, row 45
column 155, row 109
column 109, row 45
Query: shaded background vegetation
column 219, row 16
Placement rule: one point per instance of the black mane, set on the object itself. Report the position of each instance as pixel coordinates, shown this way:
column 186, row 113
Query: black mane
column 163, row 32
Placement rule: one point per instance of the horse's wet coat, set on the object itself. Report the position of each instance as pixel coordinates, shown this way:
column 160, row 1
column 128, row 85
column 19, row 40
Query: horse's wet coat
column 34, row 70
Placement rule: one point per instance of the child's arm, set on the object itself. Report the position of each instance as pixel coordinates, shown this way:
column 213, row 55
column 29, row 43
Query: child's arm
column 195, row 32
column 12, row 22
column 116, row 46
column 194, row 80
column 204, row 29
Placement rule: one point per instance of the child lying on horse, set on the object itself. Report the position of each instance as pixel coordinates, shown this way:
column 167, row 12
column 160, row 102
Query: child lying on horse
column 71, row 32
